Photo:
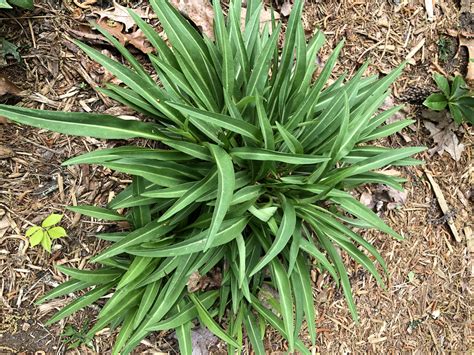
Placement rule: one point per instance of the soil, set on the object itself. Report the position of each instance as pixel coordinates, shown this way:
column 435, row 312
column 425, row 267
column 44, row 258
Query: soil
column 426, row 305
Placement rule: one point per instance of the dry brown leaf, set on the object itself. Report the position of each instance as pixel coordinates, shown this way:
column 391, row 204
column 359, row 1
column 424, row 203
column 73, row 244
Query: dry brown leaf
column 7, row 87
column 120, row 14
column 136, row 38
column 383, row 198
column 445, row 139
column 467, row 41
column 198, row 11
column 285, row 9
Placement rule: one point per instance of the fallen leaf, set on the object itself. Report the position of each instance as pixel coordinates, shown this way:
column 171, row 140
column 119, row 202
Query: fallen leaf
column 120, row 14
column 202, row 339
column 383, row 198
column 7, row 87
column 285, row 9
column 445, row 139
column 197, row 282
column 136, row 38
column 367, row 199
column 198, row 11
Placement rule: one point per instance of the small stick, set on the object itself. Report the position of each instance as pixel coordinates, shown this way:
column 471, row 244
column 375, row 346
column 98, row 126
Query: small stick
column 443, row 204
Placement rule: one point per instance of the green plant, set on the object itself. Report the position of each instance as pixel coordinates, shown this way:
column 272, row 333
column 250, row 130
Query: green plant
column 73, row 337
column 456, row 97
column 251, row 184
column 45, row 233
column 24, row 4
column 446, row 48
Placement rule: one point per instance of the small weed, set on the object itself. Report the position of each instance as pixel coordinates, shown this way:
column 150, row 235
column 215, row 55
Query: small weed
column 445, row 49
column 455, row 96
column 45, row 233
column 73, row 337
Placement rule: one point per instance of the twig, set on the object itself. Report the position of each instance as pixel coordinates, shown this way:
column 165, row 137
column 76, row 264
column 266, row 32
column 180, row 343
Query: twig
column 443, row 204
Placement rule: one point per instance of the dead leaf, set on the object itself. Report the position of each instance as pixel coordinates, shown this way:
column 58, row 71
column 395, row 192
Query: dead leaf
column 136, row 38
column 445, row 139
column 202, row 339
column 367, row 199
column 3, row 120
column 265, row 18
column 285, row 9
column 467, row 41
column 197, row 282
column 120, row 14
column 86, row 4
column 7, row 87
column 383, row 198
column 198, row 11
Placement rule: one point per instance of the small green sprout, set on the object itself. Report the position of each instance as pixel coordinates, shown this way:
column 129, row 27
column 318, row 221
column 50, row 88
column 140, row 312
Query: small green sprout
column 455, row 96
column 46, row 232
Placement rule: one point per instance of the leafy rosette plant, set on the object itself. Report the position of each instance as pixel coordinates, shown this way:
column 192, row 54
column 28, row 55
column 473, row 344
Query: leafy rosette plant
column 252, row 185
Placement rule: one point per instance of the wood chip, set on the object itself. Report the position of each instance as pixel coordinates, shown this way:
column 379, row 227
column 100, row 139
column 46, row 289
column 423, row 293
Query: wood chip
column 443, row 204
column 415, row 49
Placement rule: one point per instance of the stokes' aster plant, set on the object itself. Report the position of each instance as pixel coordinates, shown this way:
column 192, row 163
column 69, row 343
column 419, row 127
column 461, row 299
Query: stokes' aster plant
column 252, row 183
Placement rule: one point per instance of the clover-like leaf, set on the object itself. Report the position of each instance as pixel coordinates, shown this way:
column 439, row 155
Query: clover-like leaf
column 51, row 220
column 56, row 232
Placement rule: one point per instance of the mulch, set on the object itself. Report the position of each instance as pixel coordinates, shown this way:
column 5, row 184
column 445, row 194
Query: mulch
column 426, row 306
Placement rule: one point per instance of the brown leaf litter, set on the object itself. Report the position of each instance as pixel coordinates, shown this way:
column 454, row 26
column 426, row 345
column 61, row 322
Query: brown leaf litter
column 443, row 132
column 429, row 314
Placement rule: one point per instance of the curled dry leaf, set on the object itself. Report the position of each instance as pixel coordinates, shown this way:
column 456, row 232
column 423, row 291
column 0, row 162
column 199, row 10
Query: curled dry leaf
column 445, row 139
column 120, row 14
column 136, row 38
column 7, row 87
column 285, row 9
column 202, row 339
column 383, row 198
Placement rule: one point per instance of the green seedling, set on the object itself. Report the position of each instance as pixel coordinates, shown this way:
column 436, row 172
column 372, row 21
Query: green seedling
column 45, row 233
column 455, row 96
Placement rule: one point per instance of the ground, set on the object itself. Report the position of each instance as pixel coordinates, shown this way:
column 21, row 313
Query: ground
column 426, row 306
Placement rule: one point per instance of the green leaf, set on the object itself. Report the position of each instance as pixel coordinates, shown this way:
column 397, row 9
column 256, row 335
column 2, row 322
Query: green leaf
column 225, row 190
column 24, row 4
column 229, row 231
column 4, row 5
column 37, row 237
column 235, row 125
column 153, row 230
column 32, row 230
column 65, row 288
column 51, row 220
column 81, row 124
column 104, row 155
column 81, row 302
column 442, row 83
column 267, row 155
column 99, row 276
column 282, row 284
column 436, row 102
column 210, row 323
column 56, row 232
column 98, row 212
column 285, row 231
column 46, row 243
column 183, row 333
column 254, row 334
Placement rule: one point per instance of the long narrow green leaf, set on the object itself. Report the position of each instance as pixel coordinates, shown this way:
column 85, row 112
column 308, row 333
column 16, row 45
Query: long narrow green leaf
column 225, row 190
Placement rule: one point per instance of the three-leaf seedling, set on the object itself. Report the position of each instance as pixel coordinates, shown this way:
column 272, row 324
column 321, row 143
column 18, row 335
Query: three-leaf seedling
column 456, row 97
column 45, row 233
